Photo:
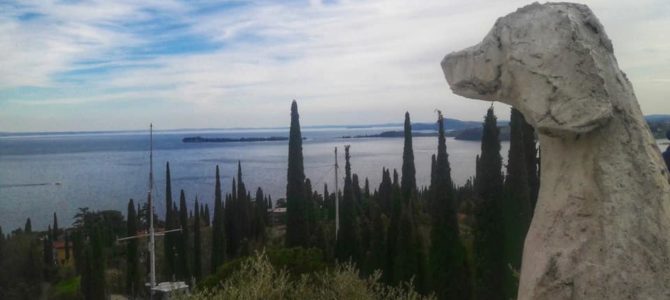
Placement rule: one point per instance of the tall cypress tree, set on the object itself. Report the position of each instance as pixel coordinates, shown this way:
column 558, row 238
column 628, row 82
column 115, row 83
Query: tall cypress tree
column 183, row 258
column 517, row 200
column 218, row 230
column 197, row 247
column 207, row 219
column 394, row 228
column 532, row 161
column 346, row 247
column 449, row 269
column 55, row 228
column 408, row 181
column 489, row 239
column 297, row 231
column 243, row 210
column 169, row 239
column 133, row 280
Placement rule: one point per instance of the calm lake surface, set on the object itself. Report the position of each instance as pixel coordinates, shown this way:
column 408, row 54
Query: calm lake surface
column 42, row 174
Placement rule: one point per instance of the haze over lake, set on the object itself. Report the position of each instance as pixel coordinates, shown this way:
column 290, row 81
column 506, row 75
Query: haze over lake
column 40, row 174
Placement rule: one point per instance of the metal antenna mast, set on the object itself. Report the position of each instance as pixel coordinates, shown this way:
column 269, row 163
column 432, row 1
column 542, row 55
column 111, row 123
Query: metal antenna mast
column 337, row 197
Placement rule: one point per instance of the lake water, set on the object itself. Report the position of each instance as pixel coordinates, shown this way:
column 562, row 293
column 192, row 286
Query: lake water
column 42, row 174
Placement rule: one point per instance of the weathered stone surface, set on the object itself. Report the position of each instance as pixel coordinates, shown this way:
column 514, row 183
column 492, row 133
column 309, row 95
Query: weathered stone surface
column 601, row 228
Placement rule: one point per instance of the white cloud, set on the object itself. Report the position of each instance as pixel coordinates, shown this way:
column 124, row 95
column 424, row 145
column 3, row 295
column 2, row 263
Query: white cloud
column 347, row 62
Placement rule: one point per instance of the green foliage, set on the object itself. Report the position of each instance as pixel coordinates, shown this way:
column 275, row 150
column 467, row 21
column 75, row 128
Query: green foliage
column 490, row 269
column 348, row 238
column 218, row 254
column 133, row 279
column 295, row 261
column 169, row 241
column 66, row 289
column 408, row 181
column 197, row 246
column 93, row 284
column 259, row 278
column 297, row 226
column 183, row 269
column 21, row 264
column 450, row 276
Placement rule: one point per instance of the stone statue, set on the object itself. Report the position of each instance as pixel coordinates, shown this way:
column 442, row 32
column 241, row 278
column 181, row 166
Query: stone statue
column 601, row 228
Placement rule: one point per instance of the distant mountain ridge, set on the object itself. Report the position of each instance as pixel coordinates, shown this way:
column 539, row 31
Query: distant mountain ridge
column 449, row 124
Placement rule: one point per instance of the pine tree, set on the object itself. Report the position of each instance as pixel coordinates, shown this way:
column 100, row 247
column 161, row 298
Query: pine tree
column 489, row 239
column 449, row 268
column 197, row 247
column 182, row 244
column 218, row 230
column 133, row 279
column 28, row 228
column 408, row 181
column 346, row 247
column 297, row 231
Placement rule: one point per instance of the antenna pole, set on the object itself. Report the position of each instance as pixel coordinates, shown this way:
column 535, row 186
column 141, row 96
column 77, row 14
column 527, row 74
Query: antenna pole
column 337, row 198
column 152, row 246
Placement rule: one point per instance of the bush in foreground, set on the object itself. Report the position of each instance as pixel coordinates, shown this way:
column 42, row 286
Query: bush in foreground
column 258, row 279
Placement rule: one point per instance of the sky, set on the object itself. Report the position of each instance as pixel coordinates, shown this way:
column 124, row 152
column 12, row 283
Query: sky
column 119, row 65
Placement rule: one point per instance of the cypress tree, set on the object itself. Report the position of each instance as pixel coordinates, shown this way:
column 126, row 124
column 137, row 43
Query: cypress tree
column 2, row 241
column 532, row 161
column 133, row 279
column 218, row 230
column 197, row 251
column 93, row 277
column 261, row 214
column 408, row 181
column 449, row 269
column 517, row 200
column 243, row 212
column 394, row 227
column 347, row 238
column 207, row 219
column 169, row 239
column 297, row 231
column 182, row 261
column 55, row 228
column 489, row 239
column 28, row 228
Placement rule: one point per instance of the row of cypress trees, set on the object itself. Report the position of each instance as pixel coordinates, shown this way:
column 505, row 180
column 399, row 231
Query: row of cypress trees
column 414, row 234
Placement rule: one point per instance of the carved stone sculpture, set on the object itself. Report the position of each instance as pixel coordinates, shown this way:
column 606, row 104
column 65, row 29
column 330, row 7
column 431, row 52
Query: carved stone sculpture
column 601, row 228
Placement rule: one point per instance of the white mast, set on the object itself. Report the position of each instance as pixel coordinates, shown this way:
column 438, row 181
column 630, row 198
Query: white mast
column 337, row 198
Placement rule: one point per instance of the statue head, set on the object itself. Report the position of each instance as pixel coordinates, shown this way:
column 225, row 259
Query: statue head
column 544, row 60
